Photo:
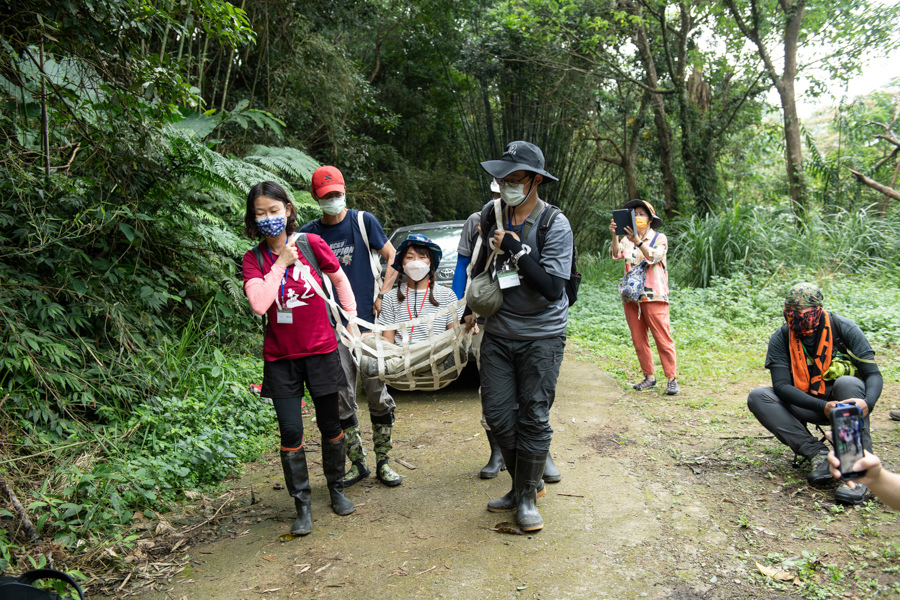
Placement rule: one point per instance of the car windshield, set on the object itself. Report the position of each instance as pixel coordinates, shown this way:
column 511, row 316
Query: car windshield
column 445, row 237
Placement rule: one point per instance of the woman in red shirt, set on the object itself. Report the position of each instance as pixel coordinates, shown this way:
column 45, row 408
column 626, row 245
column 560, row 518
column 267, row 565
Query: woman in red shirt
column 300, row 347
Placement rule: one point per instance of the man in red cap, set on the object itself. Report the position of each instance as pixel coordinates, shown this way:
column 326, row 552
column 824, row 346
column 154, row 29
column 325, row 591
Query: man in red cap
column 353, row 236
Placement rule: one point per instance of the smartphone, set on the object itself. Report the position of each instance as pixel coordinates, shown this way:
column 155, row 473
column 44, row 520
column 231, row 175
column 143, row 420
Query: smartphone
column 846, row 433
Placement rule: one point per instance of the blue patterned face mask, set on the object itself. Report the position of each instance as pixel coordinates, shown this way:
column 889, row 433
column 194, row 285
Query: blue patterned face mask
column 272, row 226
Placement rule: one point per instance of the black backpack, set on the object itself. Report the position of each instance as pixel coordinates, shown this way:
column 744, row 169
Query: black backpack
column 20, row 588
column 548, row 216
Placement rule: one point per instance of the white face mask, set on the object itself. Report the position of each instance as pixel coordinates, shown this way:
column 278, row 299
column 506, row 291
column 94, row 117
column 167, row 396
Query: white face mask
column 416, row 270
column 513, row 195
column 333, row 206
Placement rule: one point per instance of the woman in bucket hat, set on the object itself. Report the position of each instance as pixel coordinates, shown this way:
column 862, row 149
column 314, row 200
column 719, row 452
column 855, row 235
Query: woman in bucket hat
column 651, row 312
column 418, row 258
column 418, row 296
column 524, row 341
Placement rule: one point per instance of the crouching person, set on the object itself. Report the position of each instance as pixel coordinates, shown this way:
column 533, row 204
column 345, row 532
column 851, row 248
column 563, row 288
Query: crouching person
column 817, row 360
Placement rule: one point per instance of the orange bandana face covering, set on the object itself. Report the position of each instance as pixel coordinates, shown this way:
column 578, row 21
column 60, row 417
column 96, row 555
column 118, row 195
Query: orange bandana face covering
column 808, row 377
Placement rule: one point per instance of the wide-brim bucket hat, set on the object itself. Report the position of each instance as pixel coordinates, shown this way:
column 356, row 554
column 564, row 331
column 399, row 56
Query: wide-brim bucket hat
column 518, row 156
column 417, row 239
column 655, row 221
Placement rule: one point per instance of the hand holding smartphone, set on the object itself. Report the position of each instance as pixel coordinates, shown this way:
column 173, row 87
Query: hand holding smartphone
column 846, row 433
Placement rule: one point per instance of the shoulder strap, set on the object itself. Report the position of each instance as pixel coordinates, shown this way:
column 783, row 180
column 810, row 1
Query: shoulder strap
column 653, row 241
column 257, row 251
column 490, row 217
column 374, row 256
column 306, row 250
column 546, row 221
column 360, row 218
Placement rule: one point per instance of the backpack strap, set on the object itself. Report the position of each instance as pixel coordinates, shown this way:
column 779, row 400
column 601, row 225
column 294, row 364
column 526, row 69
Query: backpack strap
column 490, row 217
column 306, row 250
column 374, row 260
column 257, row 251
column 545, row 222
column 304, row 247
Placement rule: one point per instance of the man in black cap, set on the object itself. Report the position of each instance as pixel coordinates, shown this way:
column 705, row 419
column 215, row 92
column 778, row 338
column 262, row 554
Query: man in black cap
column 524, row 340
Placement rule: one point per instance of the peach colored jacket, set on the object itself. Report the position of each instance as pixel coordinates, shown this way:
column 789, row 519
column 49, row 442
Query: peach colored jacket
column 656, row 285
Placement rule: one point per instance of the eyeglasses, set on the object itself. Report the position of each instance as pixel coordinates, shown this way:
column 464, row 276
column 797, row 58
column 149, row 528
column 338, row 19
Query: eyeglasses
column 512, row 181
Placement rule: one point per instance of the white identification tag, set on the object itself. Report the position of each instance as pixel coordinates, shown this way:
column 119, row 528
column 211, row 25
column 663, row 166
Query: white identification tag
column 508, row 277
column 284, row 316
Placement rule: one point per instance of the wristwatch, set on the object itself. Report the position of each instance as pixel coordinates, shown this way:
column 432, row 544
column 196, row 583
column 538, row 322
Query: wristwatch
column 641, row 244
column 380, row 296
column 515, row 258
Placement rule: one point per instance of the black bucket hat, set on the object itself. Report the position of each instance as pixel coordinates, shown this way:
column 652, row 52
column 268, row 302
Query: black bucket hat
column 518, row 156
column 655, row 221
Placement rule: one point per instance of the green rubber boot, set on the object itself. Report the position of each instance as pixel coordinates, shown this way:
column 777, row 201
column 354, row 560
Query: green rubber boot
column 356, row 454
column 381, row 436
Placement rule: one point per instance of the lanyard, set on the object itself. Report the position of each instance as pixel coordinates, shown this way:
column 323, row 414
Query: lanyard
column 511, row 227
column 284, row 278
column 409, row 312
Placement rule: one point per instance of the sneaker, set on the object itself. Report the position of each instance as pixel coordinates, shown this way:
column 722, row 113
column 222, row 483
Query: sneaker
column 646, row 384
column 844, row 495
column 820, row 469
column 894, row 415
column 672, row 388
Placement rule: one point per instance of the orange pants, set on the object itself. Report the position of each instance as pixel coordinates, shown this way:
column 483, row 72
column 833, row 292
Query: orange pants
column 653, row 316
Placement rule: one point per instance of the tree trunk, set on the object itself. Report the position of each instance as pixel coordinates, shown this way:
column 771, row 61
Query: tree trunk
column 792, row 139
column 663, row 132
column 630, row 177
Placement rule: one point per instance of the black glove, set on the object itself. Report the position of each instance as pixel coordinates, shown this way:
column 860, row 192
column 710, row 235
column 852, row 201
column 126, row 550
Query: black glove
column 510, row 244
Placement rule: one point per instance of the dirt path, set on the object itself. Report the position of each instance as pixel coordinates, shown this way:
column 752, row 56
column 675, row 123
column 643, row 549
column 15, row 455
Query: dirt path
column 653, row 503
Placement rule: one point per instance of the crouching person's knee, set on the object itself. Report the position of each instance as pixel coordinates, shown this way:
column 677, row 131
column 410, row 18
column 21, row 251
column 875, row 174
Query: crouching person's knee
column 758, row 399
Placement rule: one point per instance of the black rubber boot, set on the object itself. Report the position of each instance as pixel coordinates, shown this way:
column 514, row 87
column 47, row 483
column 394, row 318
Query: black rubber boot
column 551, row 473
column 333, row 459
column 529, row 472
column 495, row 463
column 508, row 501
column 296, row 479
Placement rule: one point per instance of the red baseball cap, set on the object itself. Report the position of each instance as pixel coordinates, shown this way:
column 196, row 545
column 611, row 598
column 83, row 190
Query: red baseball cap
column 327, row 179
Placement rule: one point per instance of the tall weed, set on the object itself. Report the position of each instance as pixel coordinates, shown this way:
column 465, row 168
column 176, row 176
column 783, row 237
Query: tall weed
column 762, row 241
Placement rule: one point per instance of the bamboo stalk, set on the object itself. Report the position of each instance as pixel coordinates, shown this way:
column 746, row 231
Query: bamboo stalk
column 228, row 71
column 201, row 59
column 45, row 124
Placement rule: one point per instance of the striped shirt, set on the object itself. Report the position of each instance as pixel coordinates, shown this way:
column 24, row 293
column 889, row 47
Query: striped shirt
column 394, row 312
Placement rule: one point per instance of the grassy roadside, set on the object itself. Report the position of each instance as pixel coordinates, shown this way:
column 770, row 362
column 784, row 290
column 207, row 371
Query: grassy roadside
column 791, row 538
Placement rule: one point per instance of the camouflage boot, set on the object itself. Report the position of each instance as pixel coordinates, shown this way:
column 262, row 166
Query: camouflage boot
column 356, row 454
column 381, row 436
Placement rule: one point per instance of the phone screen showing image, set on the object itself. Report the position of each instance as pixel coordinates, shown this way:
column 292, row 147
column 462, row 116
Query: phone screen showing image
column 846, row 432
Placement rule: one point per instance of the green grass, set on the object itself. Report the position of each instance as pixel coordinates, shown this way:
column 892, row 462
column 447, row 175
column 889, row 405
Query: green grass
column 722, row 332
